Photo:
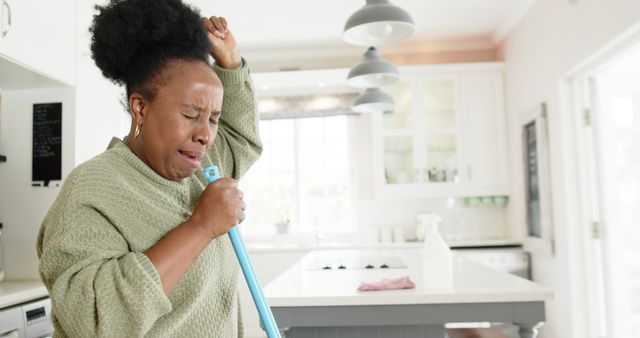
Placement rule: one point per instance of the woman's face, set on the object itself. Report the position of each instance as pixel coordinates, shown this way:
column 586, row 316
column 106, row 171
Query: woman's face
column 180, row 123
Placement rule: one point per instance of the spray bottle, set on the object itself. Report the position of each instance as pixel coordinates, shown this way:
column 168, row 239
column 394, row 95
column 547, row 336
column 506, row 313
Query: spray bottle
column 437, row 257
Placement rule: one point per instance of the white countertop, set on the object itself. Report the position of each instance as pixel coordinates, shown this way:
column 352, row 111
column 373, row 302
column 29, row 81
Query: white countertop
column 289, row 245
column 473, row 282
column 16, row 292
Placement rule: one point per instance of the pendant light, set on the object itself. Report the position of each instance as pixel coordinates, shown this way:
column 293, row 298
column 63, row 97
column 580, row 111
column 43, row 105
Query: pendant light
column 376, row 23
column 372, row 71
column 373, row 100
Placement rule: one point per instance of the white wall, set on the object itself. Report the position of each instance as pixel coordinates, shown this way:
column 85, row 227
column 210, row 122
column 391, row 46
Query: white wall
column 100, row 114
column 552, row 39
column 23, row 207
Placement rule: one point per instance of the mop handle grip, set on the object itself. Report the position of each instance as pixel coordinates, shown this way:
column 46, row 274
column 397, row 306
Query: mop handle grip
column 271, row 328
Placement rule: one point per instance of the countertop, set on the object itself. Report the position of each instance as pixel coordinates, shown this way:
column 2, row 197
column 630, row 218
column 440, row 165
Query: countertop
column 285, row 246
column 473, row 282
column 16, row 292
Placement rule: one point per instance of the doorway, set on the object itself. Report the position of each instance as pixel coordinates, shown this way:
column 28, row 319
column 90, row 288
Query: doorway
column 607, row 102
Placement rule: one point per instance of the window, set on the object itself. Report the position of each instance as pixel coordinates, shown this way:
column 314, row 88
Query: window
column 302, row 183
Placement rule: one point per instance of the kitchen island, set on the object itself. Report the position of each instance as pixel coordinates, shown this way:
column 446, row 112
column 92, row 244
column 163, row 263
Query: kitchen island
column 318, row 297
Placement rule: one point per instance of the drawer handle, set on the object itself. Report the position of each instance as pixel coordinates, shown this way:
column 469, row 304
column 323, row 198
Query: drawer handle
column 6, row 30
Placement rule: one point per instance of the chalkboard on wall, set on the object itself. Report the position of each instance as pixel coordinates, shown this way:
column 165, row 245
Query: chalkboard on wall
column 537, row 182
column 532, row 185
column 47, row 143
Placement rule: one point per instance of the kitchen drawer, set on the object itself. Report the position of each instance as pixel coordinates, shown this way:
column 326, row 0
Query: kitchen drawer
column 11, row 322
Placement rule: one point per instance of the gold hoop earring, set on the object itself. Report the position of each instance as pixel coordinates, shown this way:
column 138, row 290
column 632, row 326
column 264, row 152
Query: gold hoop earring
column 137, row 131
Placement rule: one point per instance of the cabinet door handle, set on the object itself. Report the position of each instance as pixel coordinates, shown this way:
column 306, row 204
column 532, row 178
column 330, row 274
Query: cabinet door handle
column 6, row 30
column 469, row 172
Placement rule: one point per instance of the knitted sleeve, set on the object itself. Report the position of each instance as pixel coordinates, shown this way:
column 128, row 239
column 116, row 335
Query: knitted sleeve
column 237, row 145
column 98, row 286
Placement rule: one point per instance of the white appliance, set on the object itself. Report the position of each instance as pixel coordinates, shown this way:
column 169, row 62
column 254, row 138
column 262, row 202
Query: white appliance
column 512, row 259
column 28, row 320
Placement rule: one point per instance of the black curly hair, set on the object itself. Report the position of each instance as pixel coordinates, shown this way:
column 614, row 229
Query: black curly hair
column 133, row 40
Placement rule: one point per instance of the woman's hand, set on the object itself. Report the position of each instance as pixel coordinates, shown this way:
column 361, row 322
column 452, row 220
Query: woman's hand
column 224, row 48
column 220, row 208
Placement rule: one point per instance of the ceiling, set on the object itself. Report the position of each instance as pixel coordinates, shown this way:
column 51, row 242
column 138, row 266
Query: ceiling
column 276, row 27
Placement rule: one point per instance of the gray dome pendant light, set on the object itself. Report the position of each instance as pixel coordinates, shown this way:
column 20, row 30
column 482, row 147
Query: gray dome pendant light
column 373, row 100
column 373, row 71
column 377, row 23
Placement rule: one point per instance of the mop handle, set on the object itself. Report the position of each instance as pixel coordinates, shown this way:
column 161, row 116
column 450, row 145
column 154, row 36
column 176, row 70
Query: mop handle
column 213, row 174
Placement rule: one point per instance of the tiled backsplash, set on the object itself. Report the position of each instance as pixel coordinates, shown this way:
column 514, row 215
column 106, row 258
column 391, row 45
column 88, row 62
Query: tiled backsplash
column 459, row 221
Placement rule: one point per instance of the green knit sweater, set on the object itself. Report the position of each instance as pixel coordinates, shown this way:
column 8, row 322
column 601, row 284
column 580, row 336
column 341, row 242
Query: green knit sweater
column 113, row 208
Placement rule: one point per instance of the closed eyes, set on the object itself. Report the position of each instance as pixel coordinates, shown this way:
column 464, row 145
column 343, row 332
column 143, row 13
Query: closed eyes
column 212, row 119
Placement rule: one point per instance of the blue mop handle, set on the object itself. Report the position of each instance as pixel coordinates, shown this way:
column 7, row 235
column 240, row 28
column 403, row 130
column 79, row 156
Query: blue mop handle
column 213, row 174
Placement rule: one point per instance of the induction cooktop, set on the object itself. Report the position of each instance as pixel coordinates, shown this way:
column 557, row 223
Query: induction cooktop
column 357, row 263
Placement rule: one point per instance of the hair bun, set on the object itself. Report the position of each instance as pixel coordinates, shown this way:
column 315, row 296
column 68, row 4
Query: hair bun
column 132, row 39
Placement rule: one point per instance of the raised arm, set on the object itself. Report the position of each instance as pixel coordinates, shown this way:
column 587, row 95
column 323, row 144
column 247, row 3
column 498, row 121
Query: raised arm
column 237, row 145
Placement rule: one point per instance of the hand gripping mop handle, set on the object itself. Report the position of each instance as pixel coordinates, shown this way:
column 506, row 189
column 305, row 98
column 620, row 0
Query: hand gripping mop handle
column 212, row 174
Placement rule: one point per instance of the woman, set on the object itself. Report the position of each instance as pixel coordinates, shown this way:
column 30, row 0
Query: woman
column 135, row 243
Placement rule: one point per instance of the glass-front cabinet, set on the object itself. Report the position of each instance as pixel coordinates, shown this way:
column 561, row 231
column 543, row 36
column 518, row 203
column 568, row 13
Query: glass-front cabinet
column 397, row 136
column 420, row 135
column 439, row 133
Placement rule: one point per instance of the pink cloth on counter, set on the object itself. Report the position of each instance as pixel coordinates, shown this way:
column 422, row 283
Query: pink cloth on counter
column 388, row 284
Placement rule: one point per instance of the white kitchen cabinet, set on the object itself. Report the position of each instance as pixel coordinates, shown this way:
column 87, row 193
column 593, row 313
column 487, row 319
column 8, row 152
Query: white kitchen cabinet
column 40, row 37
column 484, row 133
column 446, row 135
